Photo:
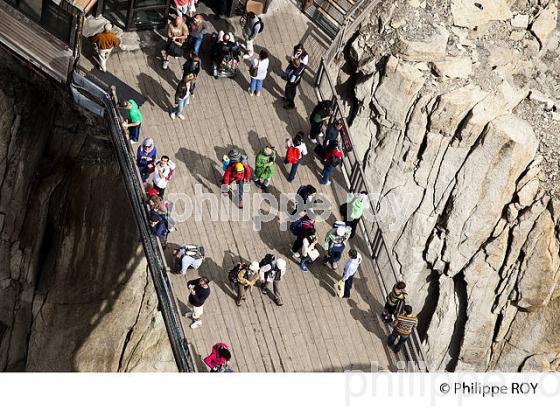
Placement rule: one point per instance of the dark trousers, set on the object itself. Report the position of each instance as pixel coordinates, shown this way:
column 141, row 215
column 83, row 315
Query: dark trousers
column 275, row 289
column 354, row 225
column 290, row 94
column 348, row 286
column 160, row 191
column 293, row 171
column 315, row 130
column 241, row 290
column 393, row 337
column 327, row 172
column 298, row 243
column 335, row 253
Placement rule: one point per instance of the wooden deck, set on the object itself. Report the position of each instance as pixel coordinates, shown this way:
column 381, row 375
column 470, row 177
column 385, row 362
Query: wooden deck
column 33, row 44
column 314, row 330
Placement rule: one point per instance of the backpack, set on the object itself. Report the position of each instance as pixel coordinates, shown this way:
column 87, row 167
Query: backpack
column 261, row 28
column 268, row 259
column 301, row 226
column 232, row 274
column 336, row 161
column 293, row 155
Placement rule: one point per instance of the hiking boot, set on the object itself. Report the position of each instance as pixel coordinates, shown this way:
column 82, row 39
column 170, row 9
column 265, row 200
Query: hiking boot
column 196, row 323
column 181, row 116
column 173, row 115
column 165, row 64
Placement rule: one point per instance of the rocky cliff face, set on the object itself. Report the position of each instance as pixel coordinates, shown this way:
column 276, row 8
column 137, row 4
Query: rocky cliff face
column 454, row 106
column 74, row 290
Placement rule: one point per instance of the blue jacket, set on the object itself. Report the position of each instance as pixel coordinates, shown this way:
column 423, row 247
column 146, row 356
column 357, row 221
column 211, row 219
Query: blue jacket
column 142, row 162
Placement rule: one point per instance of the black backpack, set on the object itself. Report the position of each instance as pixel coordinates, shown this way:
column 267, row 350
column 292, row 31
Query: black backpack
column 268, row 259
column 261, row 26
column 232, row 274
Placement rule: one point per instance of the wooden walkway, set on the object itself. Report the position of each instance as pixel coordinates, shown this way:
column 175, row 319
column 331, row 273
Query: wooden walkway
column 314, row 330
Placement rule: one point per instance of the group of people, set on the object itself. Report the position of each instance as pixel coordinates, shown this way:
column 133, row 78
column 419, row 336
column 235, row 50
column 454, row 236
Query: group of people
column 325, row 133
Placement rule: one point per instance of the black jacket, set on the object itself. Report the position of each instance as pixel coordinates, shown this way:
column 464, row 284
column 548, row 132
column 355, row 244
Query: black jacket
column 201, row 294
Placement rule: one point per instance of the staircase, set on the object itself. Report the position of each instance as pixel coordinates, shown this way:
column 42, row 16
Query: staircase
column 330, row 15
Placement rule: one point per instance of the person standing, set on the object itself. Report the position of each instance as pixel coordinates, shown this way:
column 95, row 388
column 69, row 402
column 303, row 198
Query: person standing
column 397, row 295
column 199, row 292
column 218, row 359
column 333, row 159
column 146, row 158
column 240, row 173
column 246, row 279
column 300, row 228
column 305, row 198
column 335, row 244
column 308, row 251
column 162, row 174
column 188, row 256
column 294, row 73
column 320, row 115
column 300, row 54
column 295, row 150
column 404, row 327
column 104, row 43
column 177, row 33
column 332, row 133
column 185, row 7
column 273, row 271
column 134, row 120
column 253, row 26
column 258, row 71
column 192, row 66
column 350, row 269
column 197, row 31
column 265, row 167
column 182, row 96
column 353, row 210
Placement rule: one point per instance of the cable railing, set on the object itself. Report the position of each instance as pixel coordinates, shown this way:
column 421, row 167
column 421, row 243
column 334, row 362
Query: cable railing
column 353, row 172
column 99, row 101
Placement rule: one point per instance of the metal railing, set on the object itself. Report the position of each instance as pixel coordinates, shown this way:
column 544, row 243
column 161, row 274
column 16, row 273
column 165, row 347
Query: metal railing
column 97, row 100
column 353, row 172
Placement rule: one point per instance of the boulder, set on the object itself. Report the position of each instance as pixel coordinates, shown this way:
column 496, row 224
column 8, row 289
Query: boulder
column 456, row 67
column 432, row 49
column 472, row 14
column 397, row 89
column 545, row 23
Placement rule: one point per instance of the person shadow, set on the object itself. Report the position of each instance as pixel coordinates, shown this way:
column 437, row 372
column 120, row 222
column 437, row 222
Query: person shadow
column 201, row 167
column 218, row 275
column 154, row 92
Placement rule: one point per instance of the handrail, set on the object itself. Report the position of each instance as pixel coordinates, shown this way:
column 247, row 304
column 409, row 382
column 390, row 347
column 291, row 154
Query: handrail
column 152, row 247
column 353, row 174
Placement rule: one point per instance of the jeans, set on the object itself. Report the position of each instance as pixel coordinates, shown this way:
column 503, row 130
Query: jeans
column 256, row 85
column 290, row 94
column 347, row 286
column 134, row 132
column 183, row 102
column 293, row 172
column 393, row 337
column 240, row 185
column 327, row 172
column 335, row 253
column 304, row 260
column 197, row 42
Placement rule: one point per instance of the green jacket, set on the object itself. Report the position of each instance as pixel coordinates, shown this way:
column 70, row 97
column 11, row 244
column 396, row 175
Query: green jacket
column 262, row 169
column 331, row 236
column 356, row 206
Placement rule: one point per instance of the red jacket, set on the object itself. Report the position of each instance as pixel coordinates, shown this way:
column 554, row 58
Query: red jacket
column 332, row 154
column 214, row 360
column 231, row 175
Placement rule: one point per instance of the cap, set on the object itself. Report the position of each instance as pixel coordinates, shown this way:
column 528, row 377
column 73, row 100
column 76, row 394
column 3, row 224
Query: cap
column 239, row 167
column 281, row 264
column 340, row 231
column 254, row 265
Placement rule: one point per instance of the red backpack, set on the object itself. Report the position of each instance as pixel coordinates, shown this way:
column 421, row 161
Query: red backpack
column 293, row 155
